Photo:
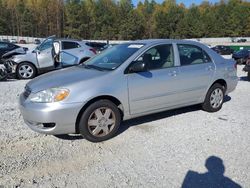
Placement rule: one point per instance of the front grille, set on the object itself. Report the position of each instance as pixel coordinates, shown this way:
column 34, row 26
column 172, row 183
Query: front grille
column 27, row 92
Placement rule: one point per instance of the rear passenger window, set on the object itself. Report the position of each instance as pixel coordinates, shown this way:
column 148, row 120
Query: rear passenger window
column 70, row 45
column 191, row 55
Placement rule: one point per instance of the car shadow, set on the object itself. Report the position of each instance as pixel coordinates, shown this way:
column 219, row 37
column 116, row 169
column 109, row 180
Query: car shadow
column 214, row 177
column 154, row 117
column 69, row 137
column 161, row 115
column 144, row 119
column 244, row 78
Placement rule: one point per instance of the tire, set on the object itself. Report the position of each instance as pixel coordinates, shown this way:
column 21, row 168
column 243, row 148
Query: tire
column 26, row 71
column 248, row 76
column 94, row 126
column 214, row 98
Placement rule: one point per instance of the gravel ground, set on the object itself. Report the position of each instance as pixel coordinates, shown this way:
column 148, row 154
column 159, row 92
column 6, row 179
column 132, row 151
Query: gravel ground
column 152, row 151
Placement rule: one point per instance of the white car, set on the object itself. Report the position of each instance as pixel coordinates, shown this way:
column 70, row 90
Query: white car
column 41, row 59
column 14, row 41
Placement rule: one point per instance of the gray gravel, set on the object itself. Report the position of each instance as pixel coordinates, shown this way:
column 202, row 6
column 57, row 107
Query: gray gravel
column 152, row 151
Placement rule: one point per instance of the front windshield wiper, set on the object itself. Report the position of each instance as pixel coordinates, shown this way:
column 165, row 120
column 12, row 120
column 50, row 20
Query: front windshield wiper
column 96, row 67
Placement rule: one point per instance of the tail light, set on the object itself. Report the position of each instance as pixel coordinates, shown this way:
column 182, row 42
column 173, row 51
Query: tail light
column 93, row 50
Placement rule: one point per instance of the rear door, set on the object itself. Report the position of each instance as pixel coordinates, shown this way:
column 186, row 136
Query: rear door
column 196, row 72
column 71, row 53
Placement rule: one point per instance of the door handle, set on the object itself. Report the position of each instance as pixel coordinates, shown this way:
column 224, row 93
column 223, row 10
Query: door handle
column 172, row 73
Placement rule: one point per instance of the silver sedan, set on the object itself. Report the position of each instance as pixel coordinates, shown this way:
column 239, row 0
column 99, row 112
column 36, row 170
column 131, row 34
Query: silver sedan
column 126, row 81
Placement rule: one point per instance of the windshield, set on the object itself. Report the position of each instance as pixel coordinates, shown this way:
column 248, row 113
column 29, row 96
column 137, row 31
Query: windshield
column 113, row 57
column 47, row 43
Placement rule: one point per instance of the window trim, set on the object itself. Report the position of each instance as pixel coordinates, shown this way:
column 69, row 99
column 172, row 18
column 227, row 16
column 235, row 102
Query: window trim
column 126, row 71
column 203, row 51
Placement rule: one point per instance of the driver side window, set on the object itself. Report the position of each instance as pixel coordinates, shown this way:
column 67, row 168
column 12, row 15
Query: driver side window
column 158, row 57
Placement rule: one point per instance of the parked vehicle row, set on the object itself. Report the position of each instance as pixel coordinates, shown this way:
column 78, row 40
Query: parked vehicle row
column 41, row 59
column 22, row 41
column 239, row 56
column 123, row 82
column 223, row 50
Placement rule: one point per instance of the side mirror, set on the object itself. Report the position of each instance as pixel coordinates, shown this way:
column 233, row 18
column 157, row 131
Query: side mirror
column 56, row 46
column 138, row 66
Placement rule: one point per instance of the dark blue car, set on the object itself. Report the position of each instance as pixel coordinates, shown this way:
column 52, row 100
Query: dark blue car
column 241, row 56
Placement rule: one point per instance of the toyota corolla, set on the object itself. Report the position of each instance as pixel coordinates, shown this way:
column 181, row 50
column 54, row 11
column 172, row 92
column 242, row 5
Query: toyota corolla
column 127, row 81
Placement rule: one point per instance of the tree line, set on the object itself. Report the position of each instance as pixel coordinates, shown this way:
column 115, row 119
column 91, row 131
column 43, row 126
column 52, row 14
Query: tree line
column 121, row 20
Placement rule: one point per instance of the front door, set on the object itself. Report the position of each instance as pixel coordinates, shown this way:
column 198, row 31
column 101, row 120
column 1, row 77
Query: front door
column 44, row 54
column 156, row 88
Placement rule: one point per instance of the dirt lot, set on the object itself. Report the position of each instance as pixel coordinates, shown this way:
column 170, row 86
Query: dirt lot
column 152, row 151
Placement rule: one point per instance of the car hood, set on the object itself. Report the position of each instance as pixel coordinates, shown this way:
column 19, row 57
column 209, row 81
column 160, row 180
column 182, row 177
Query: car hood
column 63, row 78
column 17, row 51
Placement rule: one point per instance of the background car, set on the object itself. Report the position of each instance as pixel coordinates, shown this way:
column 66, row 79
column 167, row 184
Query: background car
column 14, row 41
column 22, row 41
column 41, row 59
column 223, row 50
column 37, row 41
column 98, row 46
column 241, row 56
column 5, row 40
column 241, row 40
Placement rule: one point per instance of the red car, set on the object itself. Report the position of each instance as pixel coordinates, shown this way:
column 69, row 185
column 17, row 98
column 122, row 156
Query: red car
column 22, row 42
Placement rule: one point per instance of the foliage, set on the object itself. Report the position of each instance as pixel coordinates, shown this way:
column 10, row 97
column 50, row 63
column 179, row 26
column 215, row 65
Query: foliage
column 111, row 19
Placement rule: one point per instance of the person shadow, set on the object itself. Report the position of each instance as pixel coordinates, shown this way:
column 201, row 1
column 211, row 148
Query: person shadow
column 213, row 178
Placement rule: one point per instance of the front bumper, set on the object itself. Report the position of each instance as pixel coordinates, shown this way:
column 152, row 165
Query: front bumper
column 54, row 118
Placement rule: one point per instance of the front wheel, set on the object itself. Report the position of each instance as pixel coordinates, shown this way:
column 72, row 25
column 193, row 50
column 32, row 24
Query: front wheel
column 26, row 71
column 214, row 98
column 100, row 121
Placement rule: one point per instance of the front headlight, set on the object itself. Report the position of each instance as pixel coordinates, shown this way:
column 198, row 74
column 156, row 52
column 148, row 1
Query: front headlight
column 49, row 95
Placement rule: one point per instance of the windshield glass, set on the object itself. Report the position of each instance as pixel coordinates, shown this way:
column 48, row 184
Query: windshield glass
column 113, row 57
column 47, row 43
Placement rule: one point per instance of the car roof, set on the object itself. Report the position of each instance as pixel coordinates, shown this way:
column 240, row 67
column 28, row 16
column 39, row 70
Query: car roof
column 155, row 41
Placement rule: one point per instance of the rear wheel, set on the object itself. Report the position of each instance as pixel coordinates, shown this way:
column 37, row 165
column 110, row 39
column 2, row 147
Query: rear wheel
column 26, row 71
column 248, row 76
column 100, row 121
column 214, row 98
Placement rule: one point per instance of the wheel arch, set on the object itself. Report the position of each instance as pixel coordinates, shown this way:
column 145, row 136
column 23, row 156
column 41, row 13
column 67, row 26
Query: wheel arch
column 113, row 99
column 221, row 82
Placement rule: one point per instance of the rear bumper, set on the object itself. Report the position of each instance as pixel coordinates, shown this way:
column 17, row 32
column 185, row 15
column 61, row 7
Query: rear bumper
column 54, row 118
